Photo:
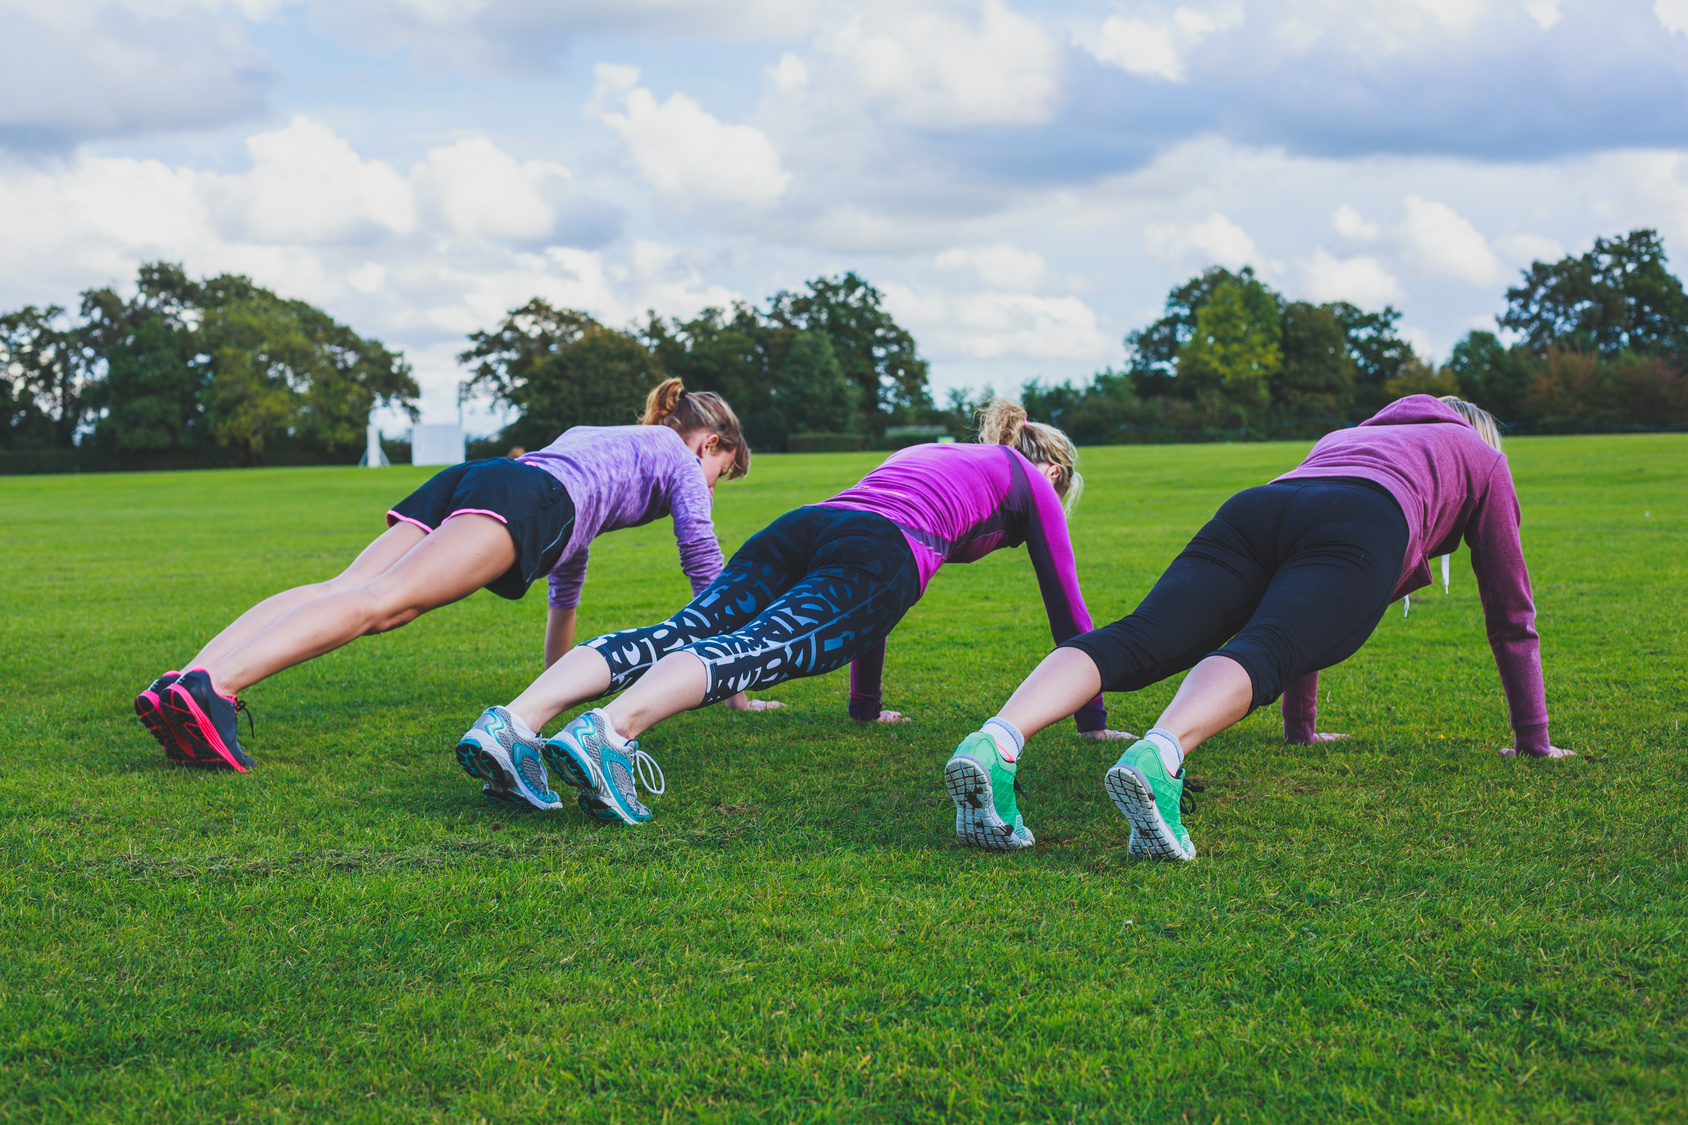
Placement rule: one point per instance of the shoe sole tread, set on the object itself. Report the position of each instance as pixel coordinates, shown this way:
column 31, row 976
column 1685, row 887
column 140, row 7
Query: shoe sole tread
column 1133, row 796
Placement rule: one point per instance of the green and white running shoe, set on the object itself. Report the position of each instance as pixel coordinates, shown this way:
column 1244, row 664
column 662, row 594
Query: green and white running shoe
column 583, row 755
column 1149, row 797
column 511, row 766
column 982, row 785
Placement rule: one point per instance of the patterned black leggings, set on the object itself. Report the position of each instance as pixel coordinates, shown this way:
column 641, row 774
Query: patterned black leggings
column 805, row 595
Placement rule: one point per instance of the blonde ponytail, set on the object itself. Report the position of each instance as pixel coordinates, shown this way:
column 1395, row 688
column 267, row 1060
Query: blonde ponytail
column 660, row 403
column 1481, row 420
column 1004, row 423
column 687, row 412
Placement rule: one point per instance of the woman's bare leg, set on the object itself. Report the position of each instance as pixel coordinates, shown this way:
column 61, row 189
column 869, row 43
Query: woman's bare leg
column 465, row 554
column 1216, row 694
column 579, row 675
column 1066, row 680
column 382, row 552
column 676, row 683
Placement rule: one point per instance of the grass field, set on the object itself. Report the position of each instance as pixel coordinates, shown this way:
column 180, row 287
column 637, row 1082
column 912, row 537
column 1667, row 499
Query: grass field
column 1400, row 926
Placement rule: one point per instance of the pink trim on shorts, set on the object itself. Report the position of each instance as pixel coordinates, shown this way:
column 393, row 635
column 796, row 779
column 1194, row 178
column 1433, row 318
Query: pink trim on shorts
column 480, row 512
column 392, row 515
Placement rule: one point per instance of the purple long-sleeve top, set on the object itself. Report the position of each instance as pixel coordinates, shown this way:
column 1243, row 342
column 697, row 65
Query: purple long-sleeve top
column 626, row 476
column 1449, row 483
column 957, row 504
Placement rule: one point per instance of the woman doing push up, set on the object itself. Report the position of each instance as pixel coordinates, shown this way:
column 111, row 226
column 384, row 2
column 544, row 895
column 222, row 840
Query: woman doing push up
column 496, row 523
column 819, row 588
column 1286, row 579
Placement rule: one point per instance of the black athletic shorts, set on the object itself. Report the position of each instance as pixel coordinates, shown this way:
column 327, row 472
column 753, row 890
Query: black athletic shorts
column 532, row 504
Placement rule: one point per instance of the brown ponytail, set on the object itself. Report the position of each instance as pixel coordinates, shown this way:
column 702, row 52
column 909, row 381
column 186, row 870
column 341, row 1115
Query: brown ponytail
column 686, row 412
column 1004, row 423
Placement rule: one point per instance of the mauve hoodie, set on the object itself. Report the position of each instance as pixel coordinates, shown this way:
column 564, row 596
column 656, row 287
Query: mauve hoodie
column 1450, row 484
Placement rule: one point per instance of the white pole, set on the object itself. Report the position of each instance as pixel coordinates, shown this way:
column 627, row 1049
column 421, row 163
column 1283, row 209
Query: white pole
column 373, row 456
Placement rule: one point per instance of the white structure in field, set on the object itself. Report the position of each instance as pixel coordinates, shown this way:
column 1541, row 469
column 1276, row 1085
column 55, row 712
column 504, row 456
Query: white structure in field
column 437, row 445
column 374, row 457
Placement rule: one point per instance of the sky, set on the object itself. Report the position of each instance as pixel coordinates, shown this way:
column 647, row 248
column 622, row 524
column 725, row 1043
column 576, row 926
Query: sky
column 1022, row 181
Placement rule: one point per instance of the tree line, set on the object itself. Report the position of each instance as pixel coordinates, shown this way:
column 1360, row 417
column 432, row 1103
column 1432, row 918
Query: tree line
column 827, row 359
column 1599, row 341
column 204, row 372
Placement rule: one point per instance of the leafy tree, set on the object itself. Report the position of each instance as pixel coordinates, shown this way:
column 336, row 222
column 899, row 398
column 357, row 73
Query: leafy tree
column 1491, row 375
column 1617, row 297
column 813, row 395
column 733, row 353
column 875, row 352
column 1230, row 360
column 43, row 384
column 559, row 368
column 1379, row 354
column 1154, row 350
column 1318, row 369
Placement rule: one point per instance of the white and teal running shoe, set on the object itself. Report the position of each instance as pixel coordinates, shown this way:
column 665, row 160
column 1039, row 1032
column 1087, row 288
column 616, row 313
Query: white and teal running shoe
column 981, row 783
column 584, row 755
column 1149, row 797
column 511, row 766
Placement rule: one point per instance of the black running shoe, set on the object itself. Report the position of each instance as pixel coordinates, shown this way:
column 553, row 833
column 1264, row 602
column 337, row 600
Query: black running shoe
column 206, row 724
column 149, row 707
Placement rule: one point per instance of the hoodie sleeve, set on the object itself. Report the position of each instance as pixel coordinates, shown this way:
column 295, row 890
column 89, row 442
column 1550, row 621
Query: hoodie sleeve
column 1300, row 707
column 1509, row 609
column 691, row 504
column 567, row 577
column 1051, row 552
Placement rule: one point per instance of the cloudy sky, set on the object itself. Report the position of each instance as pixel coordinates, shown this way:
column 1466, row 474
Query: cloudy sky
column 1024, row 181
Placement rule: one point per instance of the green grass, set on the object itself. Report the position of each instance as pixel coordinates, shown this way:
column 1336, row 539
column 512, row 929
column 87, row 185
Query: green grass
column 1401, row 926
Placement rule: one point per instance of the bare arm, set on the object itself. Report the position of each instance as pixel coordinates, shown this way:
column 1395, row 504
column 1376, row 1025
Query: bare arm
column 559, row 634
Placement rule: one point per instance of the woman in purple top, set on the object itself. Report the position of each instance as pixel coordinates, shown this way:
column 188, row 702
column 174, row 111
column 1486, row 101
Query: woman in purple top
column 497, row 524
column 1289, row 578
column 819, row 588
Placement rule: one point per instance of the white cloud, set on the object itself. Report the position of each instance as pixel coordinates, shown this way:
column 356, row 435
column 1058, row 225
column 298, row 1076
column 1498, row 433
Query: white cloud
column 1352, row 225
column 481, row 192
column 790, row 74
column 1545, row 12
column 1156, row 49
column 1000, row 266
column 77, row 69
column 1439, row 240
column 307, row 186
column 966, row 62
column 1524, row 248
column 1361, row 280
column 994, row 325
column 1215, row 239
column 692, row 159
column 1672, row 14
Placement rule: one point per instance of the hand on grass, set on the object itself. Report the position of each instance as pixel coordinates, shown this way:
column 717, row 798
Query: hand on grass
column 1552, row 752
column 893, row 717
column 1107, row 735
column 742, row 702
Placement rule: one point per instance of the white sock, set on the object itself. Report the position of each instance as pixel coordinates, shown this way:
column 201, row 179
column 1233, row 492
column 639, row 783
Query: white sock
column 611, row 735
column 1171, row 750
column 521, row 728
column 1009, row 741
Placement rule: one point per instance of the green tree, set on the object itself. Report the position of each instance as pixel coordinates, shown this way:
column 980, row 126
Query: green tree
column 732, row 352
column 1154, row 350
column 1495, row 377
column 1228, row 364
column 875, row 352
column 1618, row 297
column 1379, row 353
column 558, row 368
column 812, row 394
column 1318, row 370
column 45, row 385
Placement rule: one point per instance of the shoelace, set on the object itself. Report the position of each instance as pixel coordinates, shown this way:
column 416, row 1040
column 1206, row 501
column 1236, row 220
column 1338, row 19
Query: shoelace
column 239, row 707
column 643, row 765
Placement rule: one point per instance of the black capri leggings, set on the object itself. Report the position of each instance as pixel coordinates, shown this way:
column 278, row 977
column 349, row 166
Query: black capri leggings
column 1296, row 574
column 805, row 595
